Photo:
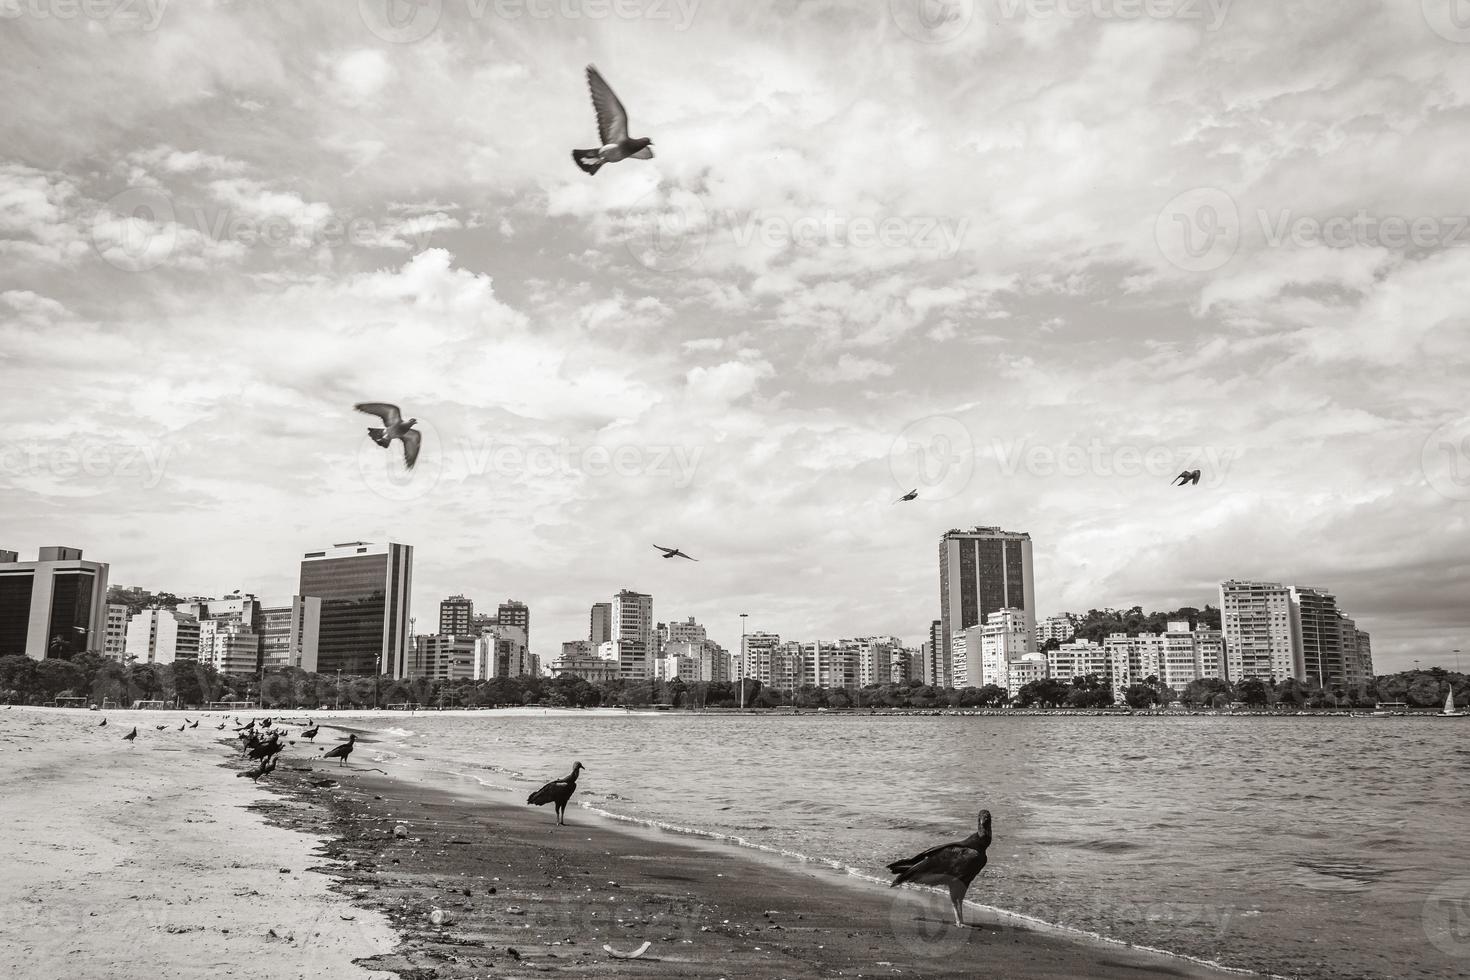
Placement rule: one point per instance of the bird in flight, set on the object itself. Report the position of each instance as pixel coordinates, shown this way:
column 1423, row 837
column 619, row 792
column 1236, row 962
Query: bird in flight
column 1188, row 476
column 557, row 791
column 612, row 129
column 952, row 865
column 911, row 495
column 395, row 426
column 673, row 552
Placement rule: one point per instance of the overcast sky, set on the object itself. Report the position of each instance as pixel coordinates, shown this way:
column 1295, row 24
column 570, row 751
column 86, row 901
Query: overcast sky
column 1031, row 260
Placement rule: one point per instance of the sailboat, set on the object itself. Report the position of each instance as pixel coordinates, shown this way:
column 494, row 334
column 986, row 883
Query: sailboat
column 1449, row 706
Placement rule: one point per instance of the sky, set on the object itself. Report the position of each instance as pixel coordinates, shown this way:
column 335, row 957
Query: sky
column 1029, row 257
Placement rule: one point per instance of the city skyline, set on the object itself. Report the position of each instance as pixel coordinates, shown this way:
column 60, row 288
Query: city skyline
column 914, row 641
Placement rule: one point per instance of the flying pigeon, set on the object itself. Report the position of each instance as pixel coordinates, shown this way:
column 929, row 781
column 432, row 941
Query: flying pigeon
column 673, row 552
column 1188, row 476
column 395, row 427
column 612, row 129
column 911, row 495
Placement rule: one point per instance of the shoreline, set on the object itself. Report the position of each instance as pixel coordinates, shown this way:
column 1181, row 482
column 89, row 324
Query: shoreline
column 508, row 879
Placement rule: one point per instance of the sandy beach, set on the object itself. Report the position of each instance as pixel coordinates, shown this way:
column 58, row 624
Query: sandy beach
column 152, row 860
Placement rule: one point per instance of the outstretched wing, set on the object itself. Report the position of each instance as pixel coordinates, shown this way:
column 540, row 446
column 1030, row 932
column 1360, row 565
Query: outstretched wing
column 388, row 413
column 412, row 440
column 665, row 550
column 682, row 555
column 612, row 118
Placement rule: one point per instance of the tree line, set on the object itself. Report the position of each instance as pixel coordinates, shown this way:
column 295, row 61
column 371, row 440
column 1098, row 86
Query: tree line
column 99, row 680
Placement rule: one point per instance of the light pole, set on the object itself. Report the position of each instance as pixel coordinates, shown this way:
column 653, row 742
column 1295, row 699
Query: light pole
column 742, row 660
column 339, row 688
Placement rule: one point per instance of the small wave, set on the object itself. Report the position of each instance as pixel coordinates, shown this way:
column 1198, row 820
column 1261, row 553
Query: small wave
column 397, row 732
column 790, row 854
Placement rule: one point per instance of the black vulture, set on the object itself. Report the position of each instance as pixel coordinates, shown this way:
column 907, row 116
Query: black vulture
column 131, row 735
column 310, row 733
column 557, row 791
column 952, row 865
column 267, row 766
column 342, row 751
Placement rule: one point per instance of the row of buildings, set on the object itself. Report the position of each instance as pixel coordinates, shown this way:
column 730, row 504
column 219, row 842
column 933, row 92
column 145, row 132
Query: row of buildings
column 350, row 613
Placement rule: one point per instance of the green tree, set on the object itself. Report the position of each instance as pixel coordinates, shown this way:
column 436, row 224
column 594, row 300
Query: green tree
column 1254, row 692
column 1208, row 692
column 1141, row 696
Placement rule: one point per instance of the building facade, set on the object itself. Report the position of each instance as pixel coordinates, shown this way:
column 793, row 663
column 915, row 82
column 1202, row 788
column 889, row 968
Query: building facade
column 600, row 623
column 1262, row 638
column 1079, row 658
column 162, row 636
column 364, row 590
column 455, row 616
column 632, row 633
column 55, row 606
column 288, row 633
column 981, row 571
column 115, row 638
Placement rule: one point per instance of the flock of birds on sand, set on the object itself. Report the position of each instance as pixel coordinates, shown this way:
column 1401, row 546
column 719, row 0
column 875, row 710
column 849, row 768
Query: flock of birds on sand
column 952, row 866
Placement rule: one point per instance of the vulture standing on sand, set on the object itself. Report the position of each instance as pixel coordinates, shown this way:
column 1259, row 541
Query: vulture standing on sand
column 557, row 791
column 131, row 735
column 952, row 865
column 342, row 751
column 310, row 733
column 267, row 766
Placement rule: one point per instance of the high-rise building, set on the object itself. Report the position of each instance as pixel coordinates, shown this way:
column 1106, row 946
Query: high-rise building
column 600, row 629
column 1364, row 650
column 1262, row 637
column 1211, row 647
column 501, row 652
column 632, row 631
column 115, row 641
column 1006, row 636
column 982, row 571
column 936, row 673
column 289, row 631
column 365, row 590
column 1181, row 659
column 229, row 637
column 515, row 613
column 758, row 653
column 1315, row 614
column 1131, row 660
column 875, row 658
column 686, row 632
column 162, row 636
column 55, row 606
column 965, row 665
column 455, row 614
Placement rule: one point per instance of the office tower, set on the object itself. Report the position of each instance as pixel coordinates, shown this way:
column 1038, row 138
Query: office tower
column 514, row 613
column 365, row 590
column 1317, row 619
column 632, row 632
column 115, row 640
column 982, row 571
column 162, row 636
column 1262, row 638
column 455, row 614
column 289, row 629
column 601, row 623
column 55, row 606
